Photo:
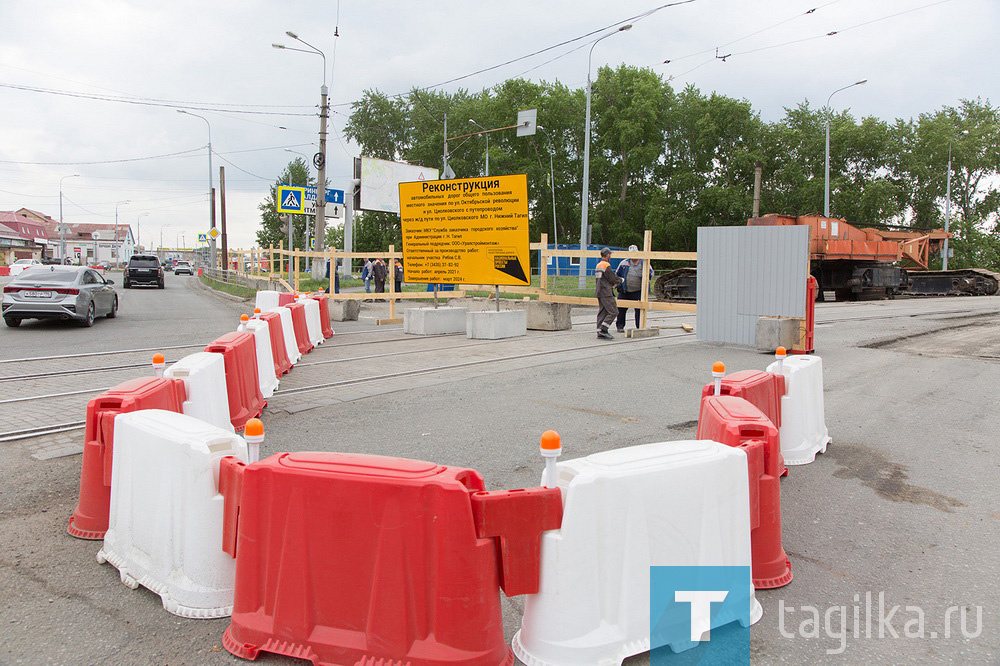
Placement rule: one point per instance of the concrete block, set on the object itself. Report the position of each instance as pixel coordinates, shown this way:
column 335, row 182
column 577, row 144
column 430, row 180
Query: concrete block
column 344, row 310
column 642, row 332
column 540, row 316
column 493, row 325
column 434, row 321
column 774, row 332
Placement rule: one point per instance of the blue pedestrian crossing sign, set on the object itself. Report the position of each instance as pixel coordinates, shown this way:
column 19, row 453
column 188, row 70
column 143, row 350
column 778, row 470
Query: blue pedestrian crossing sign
column 202, row 238
column 290, row 198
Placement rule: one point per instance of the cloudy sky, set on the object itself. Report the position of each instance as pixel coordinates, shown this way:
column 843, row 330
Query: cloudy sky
column 61, row 63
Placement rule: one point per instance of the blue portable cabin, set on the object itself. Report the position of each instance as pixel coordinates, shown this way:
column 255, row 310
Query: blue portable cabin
column 571, row 265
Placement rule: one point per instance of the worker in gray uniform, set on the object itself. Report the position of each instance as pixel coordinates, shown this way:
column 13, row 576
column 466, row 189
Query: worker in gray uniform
column 607, row 280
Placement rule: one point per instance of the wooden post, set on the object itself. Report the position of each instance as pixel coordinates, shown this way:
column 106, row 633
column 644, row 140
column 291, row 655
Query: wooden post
column 647, row 243
column 270, row 259
column 295, row 267
column 543, row 265
column 392, row 281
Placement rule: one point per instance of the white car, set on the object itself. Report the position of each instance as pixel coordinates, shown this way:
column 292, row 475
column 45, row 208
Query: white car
column 183, row 267
column 22, row 265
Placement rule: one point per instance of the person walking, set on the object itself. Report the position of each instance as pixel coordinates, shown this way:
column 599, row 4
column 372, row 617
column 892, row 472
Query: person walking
column 607, row 280
column 366, row 275
column 399, row 275
column 379, row 273
column 630, row 289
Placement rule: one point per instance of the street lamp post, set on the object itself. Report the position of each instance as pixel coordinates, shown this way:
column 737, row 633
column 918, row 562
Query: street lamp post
column 138, row 243
column 487, row 144
column 319, row 226
column 62, row 226
column 585, row 199
column 947, row 206
column 552, row 184
column 826, row 179
column 211, row 187
column 118, row 250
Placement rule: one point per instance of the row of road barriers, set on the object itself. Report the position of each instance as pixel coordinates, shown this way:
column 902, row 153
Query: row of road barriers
column 358, row 559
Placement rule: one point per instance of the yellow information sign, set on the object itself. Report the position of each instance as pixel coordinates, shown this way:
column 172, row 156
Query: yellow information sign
column 469, row 230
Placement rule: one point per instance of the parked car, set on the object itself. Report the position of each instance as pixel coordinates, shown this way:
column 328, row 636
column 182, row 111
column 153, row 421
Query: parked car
column 51, row 261
column 183, row 267
column 143, row 269
column 22, row 265
column 59, row 292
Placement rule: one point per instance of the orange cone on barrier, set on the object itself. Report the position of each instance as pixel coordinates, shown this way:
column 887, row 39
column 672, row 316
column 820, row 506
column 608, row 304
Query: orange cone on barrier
column 736, row 422
column 254, row 435
column 159, row 364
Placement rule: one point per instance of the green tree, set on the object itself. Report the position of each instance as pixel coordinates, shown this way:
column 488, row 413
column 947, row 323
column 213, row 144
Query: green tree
column 272, row 230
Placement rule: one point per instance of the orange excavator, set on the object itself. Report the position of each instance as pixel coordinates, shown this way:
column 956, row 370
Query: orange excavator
column 860, row 264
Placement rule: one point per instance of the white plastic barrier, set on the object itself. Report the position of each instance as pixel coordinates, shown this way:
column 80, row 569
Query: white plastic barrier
column 165, row 527
column 204, row 377
column 667, row 504
column 803, row 419
column 314, row 325
column 266, row 376
column 267, row 300
column 288, row 330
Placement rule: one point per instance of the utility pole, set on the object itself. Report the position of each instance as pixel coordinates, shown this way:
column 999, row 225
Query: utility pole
column 757, row 167
column 222, row 210
column 319, row 227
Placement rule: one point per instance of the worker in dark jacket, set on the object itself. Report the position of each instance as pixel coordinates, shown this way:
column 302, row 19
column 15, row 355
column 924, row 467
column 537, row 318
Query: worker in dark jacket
column 379, row 273
column 630, row 289
column 607, row 280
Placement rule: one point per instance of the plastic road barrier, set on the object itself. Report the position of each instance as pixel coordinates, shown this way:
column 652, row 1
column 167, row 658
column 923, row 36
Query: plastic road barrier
column 666, row 504
column 763, row 390
column 204, row 377
column 735, row 422
column 243, row 388
column 324, row 314
column 266, row 300
column 288, row 333
column 300, row 326
column 803, row 428
column 90, row 517
column 279, row 350
column 266, row 374
column 355, row 559
column 284, row 298
column 165, row 529
column 314, row 324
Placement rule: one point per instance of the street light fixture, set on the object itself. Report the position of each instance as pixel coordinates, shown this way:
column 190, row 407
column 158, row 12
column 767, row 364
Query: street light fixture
column 211, row 187
column 487, row 144
column 585, row 199
column 118, row 252
column 319, row 226
column 552, row 183
column 947, row 205
column 826, row 179
column 62, row 226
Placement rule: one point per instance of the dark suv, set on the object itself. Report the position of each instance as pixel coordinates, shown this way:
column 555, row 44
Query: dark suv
column 143, row 269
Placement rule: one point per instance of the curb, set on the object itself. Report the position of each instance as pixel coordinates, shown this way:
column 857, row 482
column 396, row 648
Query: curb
column 220, row 294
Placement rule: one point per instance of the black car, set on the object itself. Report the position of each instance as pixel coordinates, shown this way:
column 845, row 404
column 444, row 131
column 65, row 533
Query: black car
column 143, row 269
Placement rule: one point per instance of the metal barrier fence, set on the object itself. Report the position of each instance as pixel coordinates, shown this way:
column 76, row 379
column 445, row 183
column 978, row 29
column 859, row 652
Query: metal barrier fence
column 230, row 278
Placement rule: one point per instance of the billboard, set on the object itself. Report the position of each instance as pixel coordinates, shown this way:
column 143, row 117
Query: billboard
column 380, row 181
column 468, row 230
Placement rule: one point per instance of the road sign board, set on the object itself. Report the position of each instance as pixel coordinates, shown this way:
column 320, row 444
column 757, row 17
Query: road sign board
column 470, row 230
column 214, row 233
column 202, row 238
column 302, row 200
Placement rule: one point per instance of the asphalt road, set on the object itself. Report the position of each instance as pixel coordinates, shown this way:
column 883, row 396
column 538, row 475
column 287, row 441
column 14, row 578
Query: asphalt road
column 903, row 504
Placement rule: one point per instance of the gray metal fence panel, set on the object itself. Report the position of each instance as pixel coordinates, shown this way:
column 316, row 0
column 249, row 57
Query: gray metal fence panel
column 748, row 272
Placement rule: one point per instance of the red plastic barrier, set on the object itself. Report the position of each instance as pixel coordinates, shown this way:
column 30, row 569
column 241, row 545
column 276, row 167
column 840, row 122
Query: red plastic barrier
column 278, row 350
column 299, row 326
column 324, row 314
column 90, row 517
column 517, row 518
column 284, row 298
column 809, row 344
column 4, row 271
column 735, row 422
column 240, row 354
column 761, row 389
column 356, row 559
